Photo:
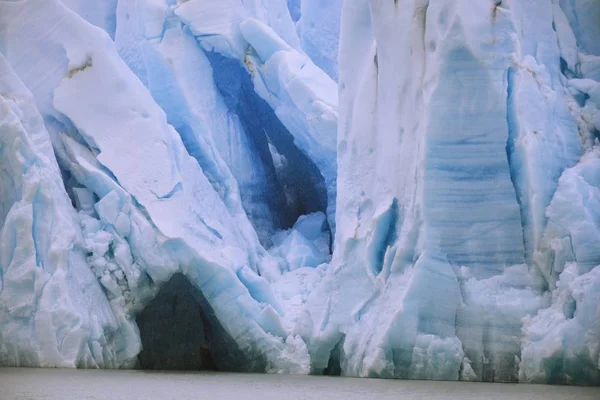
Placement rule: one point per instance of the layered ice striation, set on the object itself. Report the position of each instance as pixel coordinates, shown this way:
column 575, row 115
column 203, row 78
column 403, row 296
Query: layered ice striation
column 364, row 188
column 455, row 126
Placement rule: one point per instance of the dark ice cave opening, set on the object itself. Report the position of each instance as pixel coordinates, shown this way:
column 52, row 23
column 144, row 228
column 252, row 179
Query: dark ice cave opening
column 301, row 183
column 334, row 364
column 179, row 331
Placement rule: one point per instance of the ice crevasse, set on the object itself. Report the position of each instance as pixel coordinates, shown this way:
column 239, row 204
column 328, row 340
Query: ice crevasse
column 397, row 189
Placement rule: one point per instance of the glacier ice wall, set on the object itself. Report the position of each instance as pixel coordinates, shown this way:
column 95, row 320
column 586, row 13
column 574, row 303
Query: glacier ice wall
column 398, row 189
column 52, row 310
column 157, row 213
column 442, row 220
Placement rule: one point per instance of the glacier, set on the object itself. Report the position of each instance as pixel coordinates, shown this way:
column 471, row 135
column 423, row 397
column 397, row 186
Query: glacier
column 392, row 189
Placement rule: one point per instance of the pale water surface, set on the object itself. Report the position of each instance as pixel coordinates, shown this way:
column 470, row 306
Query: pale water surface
column 55, row 384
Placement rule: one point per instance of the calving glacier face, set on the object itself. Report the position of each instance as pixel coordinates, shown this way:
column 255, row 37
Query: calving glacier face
column 174, row 177
column 456, row 123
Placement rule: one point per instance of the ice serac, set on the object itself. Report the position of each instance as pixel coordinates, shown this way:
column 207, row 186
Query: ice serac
column 580, row 61
column 172, row 65
column 188, row 161
column 302, row 96
column 454, row 130
column 542, row 141
column 161, row 213
column 561, row 344
column 217, row 23
column 53, row 312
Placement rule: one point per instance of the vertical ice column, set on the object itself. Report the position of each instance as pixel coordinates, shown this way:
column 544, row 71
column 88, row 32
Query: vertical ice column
column 52, row 310
column 428, row 197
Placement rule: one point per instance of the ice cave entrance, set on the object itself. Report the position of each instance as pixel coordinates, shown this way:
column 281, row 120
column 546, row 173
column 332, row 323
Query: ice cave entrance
column 173, row 329
column 179, row 331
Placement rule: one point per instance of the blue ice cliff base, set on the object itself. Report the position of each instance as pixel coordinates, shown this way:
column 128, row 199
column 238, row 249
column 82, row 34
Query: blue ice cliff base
column 398, row 189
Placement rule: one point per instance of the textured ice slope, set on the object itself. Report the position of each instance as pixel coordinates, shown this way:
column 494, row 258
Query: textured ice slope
column 52, row 310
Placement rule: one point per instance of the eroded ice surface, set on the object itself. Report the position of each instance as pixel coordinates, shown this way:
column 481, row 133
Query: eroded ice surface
column 187, row 168
column 53, row 311
column 319, row 31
